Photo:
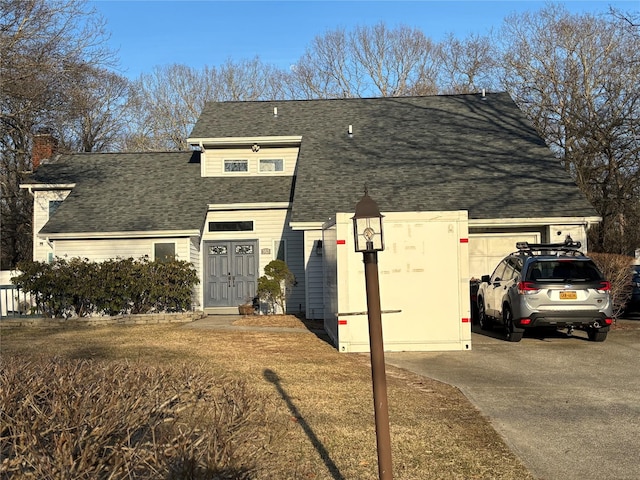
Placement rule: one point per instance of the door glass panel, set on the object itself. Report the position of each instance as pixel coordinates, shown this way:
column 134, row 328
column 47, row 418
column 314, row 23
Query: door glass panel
column 244, row 249
column 218, row 250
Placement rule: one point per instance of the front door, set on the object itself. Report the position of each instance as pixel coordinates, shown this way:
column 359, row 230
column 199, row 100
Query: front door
column 231, row 272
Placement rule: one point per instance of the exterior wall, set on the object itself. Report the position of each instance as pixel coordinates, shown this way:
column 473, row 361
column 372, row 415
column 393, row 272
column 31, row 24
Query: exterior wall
column 213, row 162
column 99, row 250
column 194, row 247
column 269, row 227
column 558, row 233
column 313, row 274
column 41, row 199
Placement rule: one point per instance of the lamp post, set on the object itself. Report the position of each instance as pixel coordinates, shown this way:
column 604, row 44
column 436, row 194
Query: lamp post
column 367, row 231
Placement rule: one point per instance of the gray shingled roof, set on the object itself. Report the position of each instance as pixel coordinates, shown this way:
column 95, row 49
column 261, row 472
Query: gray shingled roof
column 458, row 152
column 126, row 192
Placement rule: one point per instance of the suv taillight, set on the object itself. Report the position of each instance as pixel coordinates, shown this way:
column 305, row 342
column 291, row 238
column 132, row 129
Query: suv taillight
column 604, row 287
column 527, row 288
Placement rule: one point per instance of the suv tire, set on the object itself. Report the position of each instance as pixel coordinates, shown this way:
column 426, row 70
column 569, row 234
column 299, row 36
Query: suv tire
column 484, row 321
column 597, row 335
column 513, row 334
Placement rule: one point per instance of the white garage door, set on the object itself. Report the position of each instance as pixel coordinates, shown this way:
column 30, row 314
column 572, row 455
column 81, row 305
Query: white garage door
column 487, row 249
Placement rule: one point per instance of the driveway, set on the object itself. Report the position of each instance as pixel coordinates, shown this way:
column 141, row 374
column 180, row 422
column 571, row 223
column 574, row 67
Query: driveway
column 569, row 408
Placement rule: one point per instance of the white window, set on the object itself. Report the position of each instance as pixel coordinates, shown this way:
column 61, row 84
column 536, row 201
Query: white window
column 232, row 166
column 268, row 165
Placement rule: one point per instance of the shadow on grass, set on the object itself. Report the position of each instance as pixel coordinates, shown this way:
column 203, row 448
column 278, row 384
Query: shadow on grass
column 272, row 377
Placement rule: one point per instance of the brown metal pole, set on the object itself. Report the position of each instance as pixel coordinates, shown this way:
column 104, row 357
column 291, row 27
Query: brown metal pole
column 378, row 373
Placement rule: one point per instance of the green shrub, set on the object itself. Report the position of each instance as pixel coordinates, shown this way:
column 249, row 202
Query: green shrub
column 617, row 270
column 275, row 285
column 79, row 287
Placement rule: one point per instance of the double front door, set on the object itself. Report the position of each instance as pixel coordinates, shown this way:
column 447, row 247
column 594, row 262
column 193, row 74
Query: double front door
column 231, row 272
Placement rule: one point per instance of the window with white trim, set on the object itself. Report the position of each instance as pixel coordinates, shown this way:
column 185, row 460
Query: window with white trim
column 271, row 165
column 236, row 166
column 164, row 252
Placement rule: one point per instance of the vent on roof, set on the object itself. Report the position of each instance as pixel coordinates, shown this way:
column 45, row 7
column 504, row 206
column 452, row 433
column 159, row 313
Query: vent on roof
column 484, row 96
column 350, row 131
column 275, row 111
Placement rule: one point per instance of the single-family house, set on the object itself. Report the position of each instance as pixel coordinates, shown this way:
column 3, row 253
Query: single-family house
column 264, row 177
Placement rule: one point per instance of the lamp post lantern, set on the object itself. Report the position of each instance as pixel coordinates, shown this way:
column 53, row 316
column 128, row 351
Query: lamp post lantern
column 367, row 231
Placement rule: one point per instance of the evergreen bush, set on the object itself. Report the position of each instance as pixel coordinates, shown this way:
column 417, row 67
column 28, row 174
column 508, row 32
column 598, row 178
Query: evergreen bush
column 275, row 285
column 79, row 287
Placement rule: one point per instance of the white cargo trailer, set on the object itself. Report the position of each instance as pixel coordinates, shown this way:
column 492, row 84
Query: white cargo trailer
column 424, row 283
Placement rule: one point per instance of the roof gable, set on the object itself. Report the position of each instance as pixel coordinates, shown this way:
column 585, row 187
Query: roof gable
column 133, row 192
column 471, row 152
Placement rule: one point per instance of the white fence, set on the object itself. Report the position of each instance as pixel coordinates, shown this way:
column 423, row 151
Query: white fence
column 13, row 302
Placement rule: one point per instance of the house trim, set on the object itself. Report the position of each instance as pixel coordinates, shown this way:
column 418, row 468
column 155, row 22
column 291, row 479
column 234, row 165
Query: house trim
column 248, row 206
column 47, row 186
column 306, row 225
column 114, row 235
column 527, row 222
column 234, row 141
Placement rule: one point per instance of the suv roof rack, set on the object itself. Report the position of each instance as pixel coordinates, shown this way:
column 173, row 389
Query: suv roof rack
column 568, row 247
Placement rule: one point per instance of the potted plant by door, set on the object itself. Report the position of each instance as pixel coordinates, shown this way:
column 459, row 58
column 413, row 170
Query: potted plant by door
column 247, row 308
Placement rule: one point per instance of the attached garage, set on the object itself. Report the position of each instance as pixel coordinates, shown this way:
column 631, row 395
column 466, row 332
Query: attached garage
column 486, row 250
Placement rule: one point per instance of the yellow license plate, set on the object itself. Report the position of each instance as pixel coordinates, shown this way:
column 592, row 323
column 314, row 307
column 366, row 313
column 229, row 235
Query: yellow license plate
column 568, row 295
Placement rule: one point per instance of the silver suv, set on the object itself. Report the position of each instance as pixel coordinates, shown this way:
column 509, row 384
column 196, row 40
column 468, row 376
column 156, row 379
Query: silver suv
column 546, row 285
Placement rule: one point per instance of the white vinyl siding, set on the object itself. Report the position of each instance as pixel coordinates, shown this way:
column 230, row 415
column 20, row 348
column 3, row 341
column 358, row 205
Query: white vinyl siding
column 194, row 258
column 213, row 160
column 313, row 274
column 41, row 204
column 269, row 226
column 99, row 250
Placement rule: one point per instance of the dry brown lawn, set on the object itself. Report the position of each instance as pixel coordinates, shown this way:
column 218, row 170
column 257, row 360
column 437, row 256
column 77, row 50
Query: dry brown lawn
column 324, row 398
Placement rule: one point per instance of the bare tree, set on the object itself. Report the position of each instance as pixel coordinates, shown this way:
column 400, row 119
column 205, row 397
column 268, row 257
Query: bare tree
column 576, row 77
column 369, row 61
column 468, row 65
column 168, row 101
column 95, row 117
column 44, row 44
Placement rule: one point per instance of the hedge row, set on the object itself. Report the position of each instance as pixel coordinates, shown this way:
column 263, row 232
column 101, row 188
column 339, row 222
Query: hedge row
column 78, row 287
column 617, row 269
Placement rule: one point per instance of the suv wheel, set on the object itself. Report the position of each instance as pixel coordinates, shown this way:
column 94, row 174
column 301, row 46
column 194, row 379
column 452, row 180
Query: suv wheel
column 483, row 320
column 596, row 335
column 513, row 334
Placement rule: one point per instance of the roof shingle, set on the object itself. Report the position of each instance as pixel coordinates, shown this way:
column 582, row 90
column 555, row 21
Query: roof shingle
column 457, row 152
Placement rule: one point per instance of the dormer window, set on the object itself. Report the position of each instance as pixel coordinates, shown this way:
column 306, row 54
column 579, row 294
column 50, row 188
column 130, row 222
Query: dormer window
column 236, row 166
column 270, row 165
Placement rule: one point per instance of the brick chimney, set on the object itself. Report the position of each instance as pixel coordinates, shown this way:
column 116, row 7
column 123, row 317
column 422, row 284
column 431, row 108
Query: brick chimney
column 44, row 146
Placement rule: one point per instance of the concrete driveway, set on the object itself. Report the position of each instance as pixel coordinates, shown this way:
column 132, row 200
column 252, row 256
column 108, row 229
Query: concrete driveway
column 568, row 407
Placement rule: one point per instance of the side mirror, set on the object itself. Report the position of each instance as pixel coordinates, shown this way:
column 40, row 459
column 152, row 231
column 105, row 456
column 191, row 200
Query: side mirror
column 485, row 278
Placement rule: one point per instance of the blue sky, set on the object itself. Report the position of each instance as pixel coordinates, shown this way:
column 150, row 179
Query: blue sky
column 198, row 33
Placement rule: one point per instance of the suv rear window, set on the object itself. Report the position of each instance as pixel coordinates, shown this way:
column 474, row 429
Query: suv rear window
column 561, row 270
